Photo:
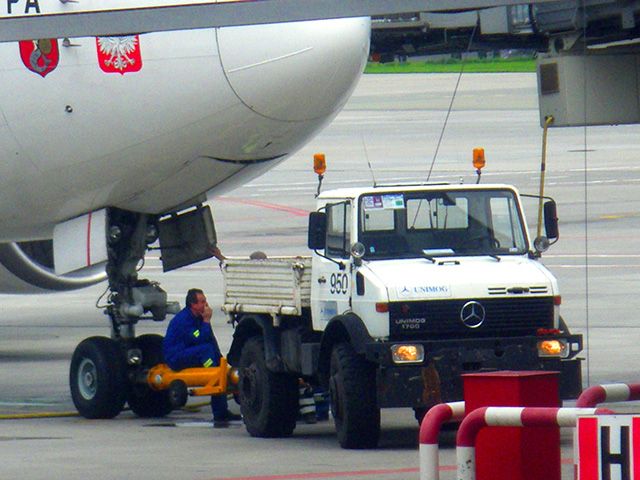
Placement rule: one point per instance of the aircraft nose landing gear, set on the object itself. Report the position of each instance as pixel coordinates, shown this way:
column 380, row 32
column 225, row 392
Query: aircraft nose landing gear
column 107, row 372
column 104, row 370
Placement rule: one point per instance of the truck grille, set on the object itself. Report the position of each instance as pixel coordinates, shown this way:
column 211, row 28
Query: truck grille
column 441, row 319
column 517, row 290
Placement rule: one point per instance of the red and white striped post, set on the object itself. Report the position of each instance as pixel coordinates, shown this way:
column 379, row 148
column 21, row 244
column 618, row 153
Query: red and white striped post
column 429, row 432
column 611, row 392
column 508, row 417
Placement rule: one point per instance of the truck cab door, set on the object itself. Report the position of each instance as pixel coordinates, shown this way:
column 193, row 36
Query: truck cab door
column 331, row 272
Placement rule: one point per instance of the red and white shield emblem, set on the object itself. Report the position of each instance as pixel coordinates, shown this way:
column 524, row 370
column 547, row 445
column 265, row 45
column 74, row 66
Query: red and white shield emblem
column 40, row 56
column 119, row 54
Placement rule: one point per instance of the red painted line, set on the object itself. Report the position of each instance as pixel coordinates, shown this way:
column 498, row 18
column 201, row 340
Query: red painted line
column 89, row 241
column 271, row 206
column 294, row 476
column 355, row 473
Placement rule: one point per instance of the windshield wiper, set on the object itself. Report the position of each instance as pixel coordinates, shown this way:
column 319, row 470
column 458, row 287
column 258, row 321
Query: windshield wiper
column 479, row 254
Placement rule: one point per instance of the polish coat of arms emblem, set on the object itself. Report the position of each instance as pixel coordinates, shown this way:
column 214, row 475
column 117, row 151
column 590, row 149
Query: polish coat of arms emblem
column 40, row 56
column 119, row 54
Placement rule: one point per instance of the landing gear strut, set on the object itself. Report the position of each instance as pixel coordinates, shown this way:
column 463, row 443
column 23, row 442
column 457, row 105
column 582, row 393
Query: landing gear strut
column 106, row 372
column 128, row 236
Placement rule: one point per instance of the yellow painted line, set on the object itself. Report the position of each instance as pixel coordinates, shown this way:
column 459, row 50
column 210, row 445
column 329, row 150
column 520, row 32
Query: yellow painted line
column 25, row 416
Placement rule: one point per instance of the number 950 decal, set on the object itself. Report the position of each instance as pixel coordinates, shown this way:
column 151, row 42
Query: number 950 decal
column 339, row 283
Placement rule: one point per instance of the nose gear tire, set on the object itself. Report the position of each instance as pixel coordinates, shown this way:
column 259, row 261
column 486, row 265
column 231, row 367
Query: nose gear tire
column 98, row 378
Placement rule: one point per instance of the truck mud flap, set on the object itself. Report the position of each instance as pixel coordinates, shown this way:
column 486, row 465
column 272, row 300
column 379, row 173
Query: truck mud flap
column 408, row 386
column 570, row 377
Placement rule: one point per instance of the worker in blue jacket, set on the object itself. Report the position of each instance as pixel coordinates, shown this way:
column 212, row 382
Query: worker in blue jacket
column 190, row 342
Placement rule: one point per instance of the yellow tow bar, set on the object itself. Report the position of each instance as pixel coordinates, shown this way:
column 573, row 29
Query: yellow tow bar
column 199, row 381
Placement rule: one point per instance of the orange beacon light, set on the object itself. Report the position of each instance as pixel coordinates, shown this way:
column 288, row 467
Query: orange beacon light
column 478, row 158
column 319, row 163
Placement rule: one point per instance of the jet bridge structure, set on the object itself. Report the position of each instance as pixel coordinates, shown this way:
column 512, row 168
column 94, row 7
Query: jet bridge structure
column 589, row 75
column 28, row 19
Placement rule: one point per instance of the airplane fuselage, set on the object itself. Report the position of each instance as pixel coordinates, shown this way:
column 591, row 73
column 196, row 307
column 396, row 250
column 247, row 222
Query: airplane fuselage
column 183, row 114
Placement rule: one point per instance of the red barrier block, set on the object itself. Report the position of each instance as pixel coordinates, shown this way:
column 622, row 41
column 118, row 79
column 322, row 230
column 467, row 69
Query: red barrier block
column 512, row 453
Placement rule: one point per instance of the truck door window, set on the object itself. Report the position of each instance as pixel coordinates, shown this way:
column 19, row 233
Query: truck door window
column 338, row 230
column 382, row 220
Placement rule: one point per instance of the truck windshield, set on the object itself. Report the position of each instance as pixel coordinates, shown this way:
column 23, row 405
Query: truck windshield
column 446, row 223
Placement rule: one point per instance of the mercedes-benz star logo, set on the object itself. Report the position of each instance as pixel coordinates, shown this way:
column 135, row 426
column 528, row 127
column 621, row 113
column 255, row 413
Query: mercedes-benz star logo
column 472, row 314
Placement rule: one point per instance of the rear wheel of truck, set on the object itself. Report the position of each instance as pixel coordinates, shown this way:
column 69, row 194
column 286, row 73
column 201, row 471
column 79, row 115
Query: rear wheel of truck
column 352, row 384
column 268, row 400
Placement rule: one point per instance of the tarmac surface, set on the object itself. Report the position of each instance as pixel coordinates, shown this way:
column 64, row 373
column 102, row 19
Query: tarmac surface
column 393, row 123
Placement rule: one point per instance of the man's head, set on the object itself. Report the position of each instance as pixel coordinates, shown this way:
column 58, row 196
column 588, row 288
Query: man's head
column 258, row 255
column 196, row 301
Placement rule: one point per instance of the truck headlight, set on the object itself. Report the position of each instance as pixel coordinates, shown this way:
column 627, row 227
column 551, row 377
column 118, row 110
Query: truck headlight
column 553, row 348
column 401, row 353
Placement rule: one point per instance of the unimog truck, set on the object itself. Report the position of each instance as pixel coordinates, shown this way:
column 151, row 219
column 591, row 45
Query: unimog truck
column 406, row 288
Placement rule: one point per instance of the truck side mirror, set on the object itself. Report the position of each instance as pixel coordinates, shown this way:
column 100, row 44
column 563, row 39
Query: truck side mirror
column 317, row 230
column 551, row 220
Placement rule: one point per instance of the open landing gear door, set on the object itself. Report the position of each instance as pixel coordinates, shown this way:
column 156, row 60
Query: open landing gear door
column 186, row 238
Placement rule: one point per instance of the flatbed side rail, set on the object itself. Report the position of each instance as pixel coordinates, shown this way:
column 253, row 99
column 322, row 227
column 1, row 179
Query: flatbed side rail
column 276, row 286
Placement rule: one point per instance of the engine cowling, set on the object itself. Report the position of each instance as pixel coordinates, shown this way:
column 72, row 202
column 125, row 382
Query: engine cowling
column 27, row 267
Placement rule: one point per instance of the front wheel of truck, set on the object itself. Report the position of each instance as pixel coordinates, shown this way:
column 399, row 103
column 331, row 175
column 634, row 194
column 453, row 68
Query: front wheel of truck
column 268, row 400
column 354, row 405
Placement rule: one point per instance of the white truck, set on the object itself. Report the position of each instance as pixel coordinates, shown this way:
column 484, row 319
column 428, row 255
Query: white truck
column 408, row 287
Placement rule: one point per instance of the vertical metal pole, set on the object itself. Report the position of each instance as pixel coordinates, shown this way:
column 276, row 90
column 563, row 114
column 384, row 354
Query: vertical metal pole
column 543, row 165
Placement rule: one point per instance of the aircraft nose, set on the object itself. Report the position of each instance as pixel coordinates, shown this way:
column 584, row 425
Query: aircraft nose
column 317, row 64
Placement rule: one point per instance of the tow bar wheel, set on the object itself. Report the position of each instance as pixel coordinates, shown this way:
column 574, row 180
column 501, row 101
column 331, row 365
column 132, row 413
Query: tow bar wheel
column 98, row 378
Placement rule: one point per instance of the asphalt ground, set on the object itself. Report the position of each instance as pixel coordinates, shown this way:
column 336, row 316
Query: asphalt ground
column 392, row 123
